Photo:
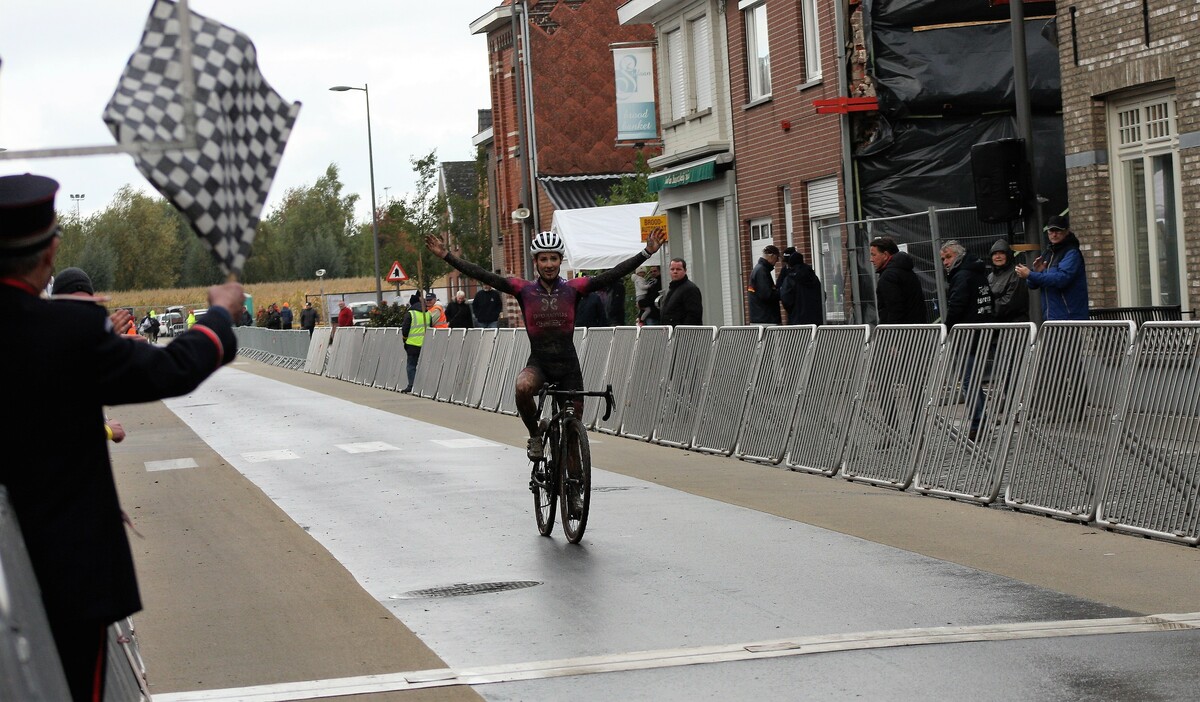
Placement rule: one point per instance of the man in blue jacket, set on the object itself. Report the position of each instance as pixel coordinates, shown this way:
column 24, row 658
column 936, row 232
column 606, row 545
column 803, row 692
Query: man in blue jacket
column 1060, row 274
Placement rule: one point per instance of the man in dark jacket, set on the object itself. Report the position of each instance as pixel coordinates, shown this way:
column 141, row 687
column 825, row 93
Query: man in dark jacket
column 764, row 296
column 486, row 306
column 898, row 292
column 800, row 290
column 285, row 316
column 1010, row 297
column 308, row 318
column 57, row 472
column 682, row 303
column 968, row 300
column 590, row 312
column 458, row 313
column 968, row 296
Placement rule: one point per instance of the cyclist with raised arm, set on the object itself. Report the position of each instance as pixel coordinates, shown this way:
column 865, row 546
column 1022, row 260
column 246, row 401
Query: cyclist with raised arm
column 548, row 306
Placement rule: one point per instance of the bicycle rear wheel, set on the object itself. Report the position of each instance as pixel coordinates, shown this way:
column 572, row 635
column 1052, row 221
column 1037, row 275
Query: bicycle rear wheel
column 575, row 484
column 543, row 481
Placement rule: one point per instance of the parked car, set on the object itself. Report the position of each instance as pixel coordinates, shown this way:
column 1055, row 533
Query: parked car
column 362, row 312
column 167, row 322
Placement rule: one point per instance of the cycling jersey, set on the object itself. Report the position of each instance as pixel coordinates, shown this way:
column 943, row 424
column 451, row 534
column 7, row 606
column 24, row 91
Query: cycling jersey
column 550, row 313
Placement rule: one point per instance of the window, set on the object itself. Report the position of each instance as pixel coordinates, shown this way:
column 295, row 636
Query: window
column 758, row 49
column 690, row 67
column 677, row 61
column 812, row 40
column 1146, row 202
column 828, row 242
column 760, row 234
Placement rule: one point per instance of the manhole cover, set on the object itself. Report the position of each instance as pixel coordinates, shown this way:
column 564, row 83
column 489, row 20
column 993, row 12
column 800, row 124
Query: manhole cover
column 461, row 589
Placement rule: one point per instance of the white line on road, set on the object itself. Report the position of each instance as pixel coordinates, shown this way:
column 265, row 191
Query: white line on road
column 668, row 658
column 264, row 456
column 367, row 447
column 171, row 464
column 465, row 443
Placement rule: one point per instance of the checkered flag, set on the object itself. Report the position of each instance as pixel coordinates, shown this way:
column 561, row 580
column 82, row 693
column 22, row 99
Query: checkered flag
column 242, row 125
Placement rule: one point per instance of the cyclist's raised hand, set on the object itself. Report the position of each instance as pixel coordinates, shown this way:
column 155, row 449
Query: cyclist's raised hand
column 435, row 244
column 654, row 239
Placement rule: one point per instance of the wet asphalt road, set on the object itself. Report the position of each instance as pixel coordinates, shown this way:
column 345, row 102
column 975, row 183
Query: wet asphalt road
column 407, row 506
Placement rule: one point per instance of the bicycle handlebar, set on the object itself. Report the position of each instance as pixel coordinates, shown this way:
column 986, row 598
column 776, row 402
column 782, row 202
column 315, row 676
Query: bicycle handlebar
column 550, row 389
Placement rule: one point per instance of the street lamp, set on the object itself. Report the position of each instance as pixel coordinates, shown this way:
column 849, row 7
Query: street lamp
column 321, row 282
column 77, row 198
column 374, row 214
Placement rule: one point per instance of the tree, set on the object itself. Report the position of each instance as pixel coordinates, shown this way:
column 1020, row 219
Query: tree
column 141, row 231
column 99, row 261
column 631, row 188
column 413, row 218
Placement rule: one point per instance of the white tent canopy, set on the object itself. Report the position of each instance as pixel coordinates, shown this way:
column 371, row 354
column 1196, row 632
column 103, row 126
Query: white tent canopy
column 599, row 238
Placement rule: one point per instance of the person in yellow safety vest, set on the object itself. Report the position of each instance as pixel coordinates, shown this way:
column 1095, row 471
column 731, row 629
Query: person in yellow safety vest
column 191, row 318
column 416, row 322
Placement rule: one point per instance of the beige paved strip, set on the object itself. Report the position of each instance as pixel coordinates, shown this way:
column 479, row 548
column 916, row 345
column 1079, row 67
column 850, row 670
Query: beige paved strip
column 669, row 658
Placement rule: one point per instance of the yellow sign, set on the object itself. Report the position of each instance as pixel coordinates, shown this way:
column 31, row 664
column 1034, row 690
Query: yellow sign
column 649, row 224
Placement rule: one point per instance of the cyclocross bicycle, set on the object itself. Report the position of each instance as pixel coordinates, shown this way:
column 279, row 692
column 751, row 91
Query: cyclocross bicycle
column 565, row 474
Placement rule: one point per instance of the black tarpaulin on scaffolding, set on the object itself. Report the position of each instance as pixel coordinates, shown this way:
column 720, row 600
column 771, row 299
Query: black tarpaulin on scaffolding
column 943, row 72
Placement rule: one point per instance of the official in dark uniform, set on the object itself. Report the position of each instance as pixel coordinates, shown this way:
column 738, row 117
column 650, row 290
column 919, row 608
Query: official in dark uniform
column 62, row 364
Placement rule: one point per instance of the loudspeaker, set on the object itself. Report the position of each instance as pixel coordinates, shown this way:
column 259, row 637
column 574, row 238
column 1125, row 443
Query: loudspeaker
column 998, row 168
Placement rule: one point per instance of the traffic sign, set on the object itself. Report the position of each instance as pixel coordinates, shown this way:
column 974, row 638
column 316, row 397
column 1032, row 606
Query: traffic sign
column 397, row 274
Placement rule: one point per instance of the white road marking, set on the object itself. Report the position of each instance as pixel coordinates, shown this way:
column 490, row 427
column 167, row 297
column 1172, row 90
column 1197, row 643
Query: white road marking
column 670, row 658
column 277, row 455
column 367, row 447
column 465, row 443
column 171, row 464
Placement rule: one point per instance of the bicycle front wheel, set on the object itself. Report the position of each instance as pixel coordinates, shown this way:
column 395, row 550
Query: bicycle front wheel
column 575, row 483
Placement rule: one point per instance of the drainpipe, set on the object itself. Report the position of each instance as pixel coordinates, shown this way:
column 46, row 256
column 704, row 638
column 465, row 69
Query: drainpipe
column 522, row 138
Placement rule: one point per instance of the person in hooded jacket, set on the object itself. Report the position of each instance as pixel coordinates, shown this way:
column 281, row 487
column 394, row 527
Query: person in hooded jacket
column 1010, row 297
column 968, row 297
column 1060, row 274
column 800, row 290
column 898, row 292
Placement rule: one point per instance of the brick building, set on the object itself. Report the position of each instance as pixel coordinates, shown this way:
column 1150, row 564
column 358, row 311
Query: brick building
column 566, row 111
column 782, row 57
column 1131, row 105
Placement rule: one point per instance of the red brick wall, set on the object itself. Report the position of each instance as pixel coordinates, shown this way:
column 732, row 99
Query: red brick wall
column 768, row 157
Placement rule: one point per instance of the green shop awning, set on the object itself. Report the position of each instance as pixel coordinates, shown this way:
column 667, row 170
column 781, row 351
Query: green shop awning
column 683, row 175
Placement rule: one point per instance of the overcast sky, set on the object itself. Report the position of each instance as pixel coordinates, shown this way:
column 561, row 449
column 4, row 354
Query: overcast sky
column 60, row 61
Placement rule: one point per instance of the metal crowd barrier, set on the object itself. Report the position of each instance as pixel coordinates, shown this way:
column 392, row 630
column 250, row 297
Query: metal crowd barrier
column 620, row 364
column 950, row 462
column 448, row 373
column 825, row 404
column 368, row 359
column 126, row 678
column 516, row 363
column 684, row 389
column 318, row 350
column 1153, row 486
column 1077, row 383
column 287, row 348
column 467, row 365
column 29, row 665
column 347, row 349
column 483, row 368
column 883, row 430
column 429, row 366
column 393, row 364
column 499, row 381
column 781, row 368
column 723, row 402
column 594, row 363
column 642, row 403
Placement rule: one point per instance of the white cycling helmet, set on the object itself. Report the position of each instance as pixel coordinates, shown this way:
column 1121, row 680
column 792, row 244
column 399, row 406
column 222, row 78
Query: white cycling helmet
column 547, row 242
